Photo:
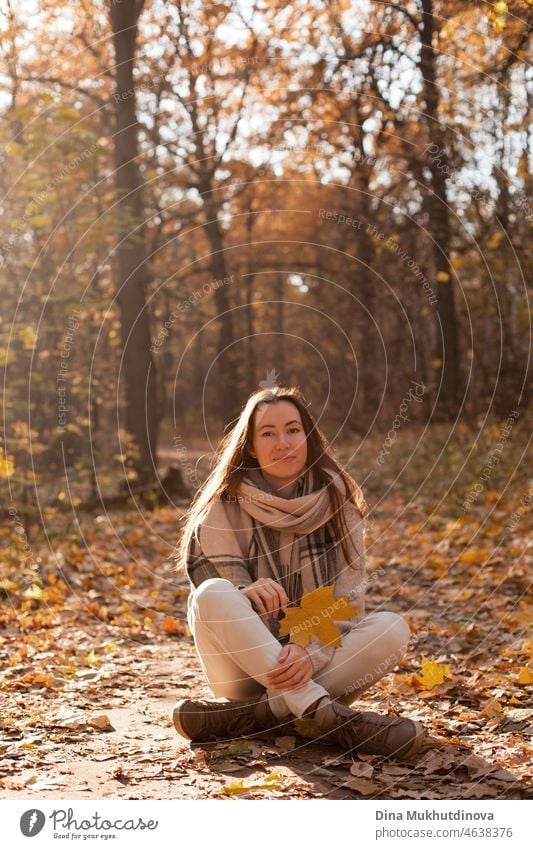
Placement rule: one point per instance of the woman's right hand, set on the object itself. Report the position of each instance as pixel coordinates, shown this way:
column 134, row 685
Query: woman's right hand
column 267, row 596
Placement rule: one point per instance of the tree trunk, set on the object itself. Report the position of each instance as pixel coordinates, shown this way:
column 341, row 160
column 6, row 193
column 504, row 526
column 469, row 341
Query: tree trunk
column 372, row 365
column 250, row 326
column 509, row 379
column 142, row 413
column 446, row 345
column 250, row 332
column 228, row 369
column 278, row 343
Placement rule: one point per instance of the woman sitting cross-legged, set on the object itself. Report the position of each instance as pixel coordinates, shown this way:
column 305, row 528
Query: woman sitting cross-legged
column 278, row 517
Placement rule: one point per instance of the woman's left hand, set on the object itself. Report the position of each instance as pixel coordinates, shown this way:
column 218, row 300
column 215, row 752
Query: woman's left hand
column 295, row 669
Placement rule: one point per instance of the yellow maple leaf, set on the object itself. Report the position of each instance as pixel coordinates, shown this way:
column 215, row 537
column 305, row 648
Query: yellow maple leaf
column 431, row 674
column 273, row 781
column 525, row 676
column 315, row 616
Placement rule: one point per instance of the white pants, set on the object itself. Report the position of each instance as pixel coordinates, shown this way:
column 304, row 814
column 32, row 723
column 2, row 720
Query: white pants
column 236, row 650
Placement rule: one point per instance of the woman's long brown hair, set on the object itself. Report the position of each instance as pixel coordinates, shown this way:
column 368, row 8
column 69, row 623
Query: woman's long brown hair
column 235, row 460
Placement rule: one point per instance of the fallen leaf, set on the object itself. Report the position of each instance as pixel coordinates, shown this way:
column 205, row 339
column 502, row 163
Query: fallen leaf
column 335, row 760
column 29, row 742
column 362, row 785
column 48, row 784
column 275, row 780
column 432, row 674
column 475, row 555
column 395, row 769
column 361, row 769
column 525, row 676
column 306, row 728
column 503, row 775
column 480, row 791
column 476, row 766
column 100, row 722
column 285, row 744
column 35, row 592
column 315, row 616
column 169, row 625
column 437, row 761
column 41, row 679
column 493, row 709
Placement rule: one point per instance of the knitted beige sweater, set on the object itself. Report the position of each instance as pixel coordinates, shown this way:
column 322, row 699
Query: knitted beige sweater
column 351, row 582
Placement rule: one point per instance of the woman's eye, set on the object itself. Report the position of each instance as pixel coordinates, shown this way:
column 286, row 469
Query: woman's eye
column 270, row 432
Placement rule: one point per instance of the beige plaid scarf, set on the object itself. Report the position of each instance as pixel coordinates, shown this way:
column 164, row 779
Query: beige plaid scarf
column 258, row 534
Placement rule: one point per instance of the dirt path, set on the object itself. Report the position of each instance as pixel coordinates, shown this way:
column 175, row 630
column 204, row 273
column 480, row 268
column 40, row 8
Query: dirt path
column 89, row 686
column 142, row 757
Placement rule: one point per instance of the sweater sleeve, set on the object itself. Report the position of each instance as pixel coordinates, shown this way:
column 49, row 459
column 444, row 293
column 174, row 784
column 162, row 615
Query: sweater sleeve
column 352, row 581
column 200, row 568
column 319, row 654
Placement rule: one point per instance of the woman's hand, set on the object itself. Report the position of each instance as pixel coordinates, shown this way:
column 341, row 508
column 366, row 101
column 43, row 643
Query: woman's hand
column 267, row 596
column 295, row 669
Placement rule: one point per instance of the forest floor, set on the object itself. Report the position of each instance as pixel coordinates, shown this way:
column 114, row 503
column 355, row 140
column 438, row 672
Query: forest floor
column 96, row 651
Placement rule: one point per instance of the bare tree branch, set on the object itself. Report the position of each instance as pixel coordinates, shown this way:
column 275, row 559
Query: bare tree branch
column 70, row 86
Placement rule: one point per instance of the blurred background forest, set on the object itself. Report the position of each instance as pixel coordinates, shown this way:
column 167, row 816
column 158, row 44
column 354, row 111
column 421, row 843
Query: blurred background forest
column 198, row 199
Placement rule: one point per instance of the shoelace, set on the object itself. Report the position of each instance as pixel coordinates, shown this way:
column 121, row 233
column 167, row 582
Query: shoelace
column 240, row 721
column 378, row 738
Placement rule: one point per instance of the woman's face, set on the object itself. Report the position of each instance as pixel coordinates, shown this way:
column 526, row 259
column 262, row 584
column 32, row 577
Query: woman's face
column 279, row 434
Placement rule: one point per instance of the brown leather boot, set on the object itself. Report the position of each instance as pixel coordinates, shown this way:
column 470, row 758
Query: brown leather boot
column 370, row 733
column 205, row 719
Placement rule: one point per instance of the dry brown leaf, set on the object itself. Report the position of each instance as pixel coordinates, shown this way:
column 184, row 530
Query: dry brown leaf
column 362, row 785
column 480, row 791
column 435, row 761
column 493, row 709
column 476, row 766
column 101, row 722
column 286, row 743
column 361, row 769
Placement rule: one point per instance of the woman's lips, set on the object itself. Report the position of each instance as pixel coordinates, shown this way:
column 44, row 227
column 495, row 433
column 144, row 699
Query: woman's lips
column 285, row 459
